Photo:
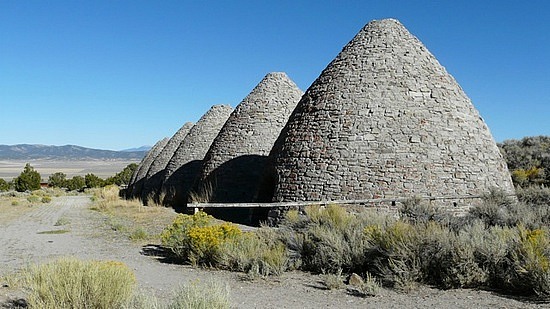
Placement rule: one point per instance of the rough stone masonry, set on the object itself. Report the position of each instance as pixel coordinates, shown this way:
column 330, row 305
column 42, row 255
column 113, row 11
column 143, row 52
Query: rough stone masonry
column 234, row 163
column 383, row 120
column 183, row 167
column 155, row 175
column 136, row 181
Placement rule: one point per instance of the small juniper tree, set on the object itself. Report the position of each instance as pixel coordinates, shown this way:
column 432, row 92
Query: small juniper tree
column 123, row 177
column 93, row 181
column 57, row 180
column 4, row 185
column 77, row 183
column 29, row 179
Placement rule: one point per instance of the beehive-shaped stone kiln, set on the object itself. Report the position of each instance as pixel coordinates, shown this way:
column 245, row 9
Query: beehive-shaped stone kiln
column 234, row 163
column 384, row 120
column 136, row 181
column 184, row 165
column 154, row 177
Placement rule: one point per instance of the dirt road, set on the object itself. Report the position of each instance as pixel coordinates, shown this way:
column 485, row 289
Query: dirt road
column 87, row 236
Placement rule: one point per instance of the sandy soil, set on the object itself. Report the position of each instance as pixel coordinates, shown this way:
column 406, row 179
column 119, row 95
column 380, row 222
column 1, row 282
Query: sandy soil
column 89, row 237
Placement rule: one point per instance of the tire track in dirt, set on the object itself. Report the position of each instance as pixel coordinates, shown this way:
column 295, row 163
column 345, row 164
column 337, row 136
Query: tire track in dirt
column 20, row 240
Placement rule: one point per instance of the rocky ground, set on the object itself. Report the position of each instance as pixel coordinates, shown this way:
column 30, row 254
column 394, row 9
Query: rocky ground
column 23, row 241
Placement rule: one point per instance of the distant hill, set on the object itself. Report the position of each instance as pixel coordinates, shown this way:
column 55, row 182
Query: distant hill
column 142, row 148
column 67, row 152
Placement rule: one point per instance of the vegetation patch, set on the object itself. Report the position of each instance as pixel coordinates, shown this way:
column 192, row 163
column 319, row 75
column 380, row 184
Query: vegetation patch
column 62, row 221
column 54, row 232
column 201, row 295
column 73, row 283
column 130, row 217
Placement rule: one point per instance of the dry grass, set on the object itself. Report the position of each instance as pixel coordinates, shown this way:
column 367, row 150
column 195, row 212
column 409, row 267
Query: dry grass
column 15, row 204
column 140, row 223
column 13, row 207
column 202, row 295
column 73, row 283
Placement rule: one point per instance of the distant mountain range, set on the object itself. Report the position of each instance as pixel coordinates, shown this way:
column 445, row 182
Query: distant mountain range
column 67, row 152
column 142, row 148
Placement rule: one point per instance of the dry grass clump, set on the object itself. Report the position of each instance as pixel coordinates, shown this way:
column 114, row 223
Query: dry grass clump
column 334, row 281
column 201, row 295
column 203, row 195
column 259, row 254
column 73, row 283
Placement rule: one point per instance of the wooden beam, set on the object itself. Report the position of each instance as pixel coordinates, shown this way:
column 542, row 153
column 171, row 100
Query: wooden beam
column 324, row 203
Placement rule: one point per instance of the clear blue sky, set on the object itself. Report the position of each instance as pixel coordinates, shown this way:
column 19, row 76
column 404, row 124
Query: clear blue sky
column 121, row 74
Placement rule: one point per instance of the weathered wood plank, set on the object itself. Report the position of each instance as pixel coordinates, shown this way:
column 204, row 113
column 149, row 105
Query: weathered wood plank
column 324, row 203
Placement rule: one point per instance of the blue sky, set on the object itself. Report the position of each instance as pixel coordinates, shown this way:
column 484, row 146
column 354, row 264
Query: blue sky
column 121, row 74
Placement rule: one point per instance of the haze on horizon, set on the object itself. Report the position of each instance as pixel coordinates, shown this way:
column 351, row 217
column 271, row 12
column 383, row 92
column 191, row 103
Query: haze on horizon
column 119, row 75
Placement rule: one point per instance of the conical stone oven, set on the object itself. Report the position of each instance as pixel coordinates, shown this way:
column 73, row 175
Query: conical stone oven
column 384, row 120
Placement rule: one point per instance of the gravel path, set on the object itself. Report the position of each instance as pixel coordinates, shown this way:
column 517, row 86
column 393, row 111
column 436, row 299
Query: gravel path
column 89, row 237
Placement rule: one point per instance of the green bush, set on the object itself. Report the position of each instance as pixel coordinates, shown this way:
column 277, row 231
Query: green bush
column 491, row 249
column 257, row 253
column 4, row 186
column 497, row 208
column 394, row 253
column 333, row 240
column 534, row 195
column 528, row 159
column 57, row 180
column 501, row 245
column 33, row 199
column 77, row 183
column 73, row 283
column 416, row 210
column 449, row 259
column 123, row 177
column 531, row 260
column 46, row 199
column 28, row 180
column 93, row 181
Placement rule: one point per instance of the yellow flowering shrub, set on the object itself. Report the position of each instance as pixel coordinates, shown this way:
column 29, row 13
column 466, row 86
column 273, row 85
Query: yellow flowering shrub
column 205, row 241
column 197, row 238
column 533, row 248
